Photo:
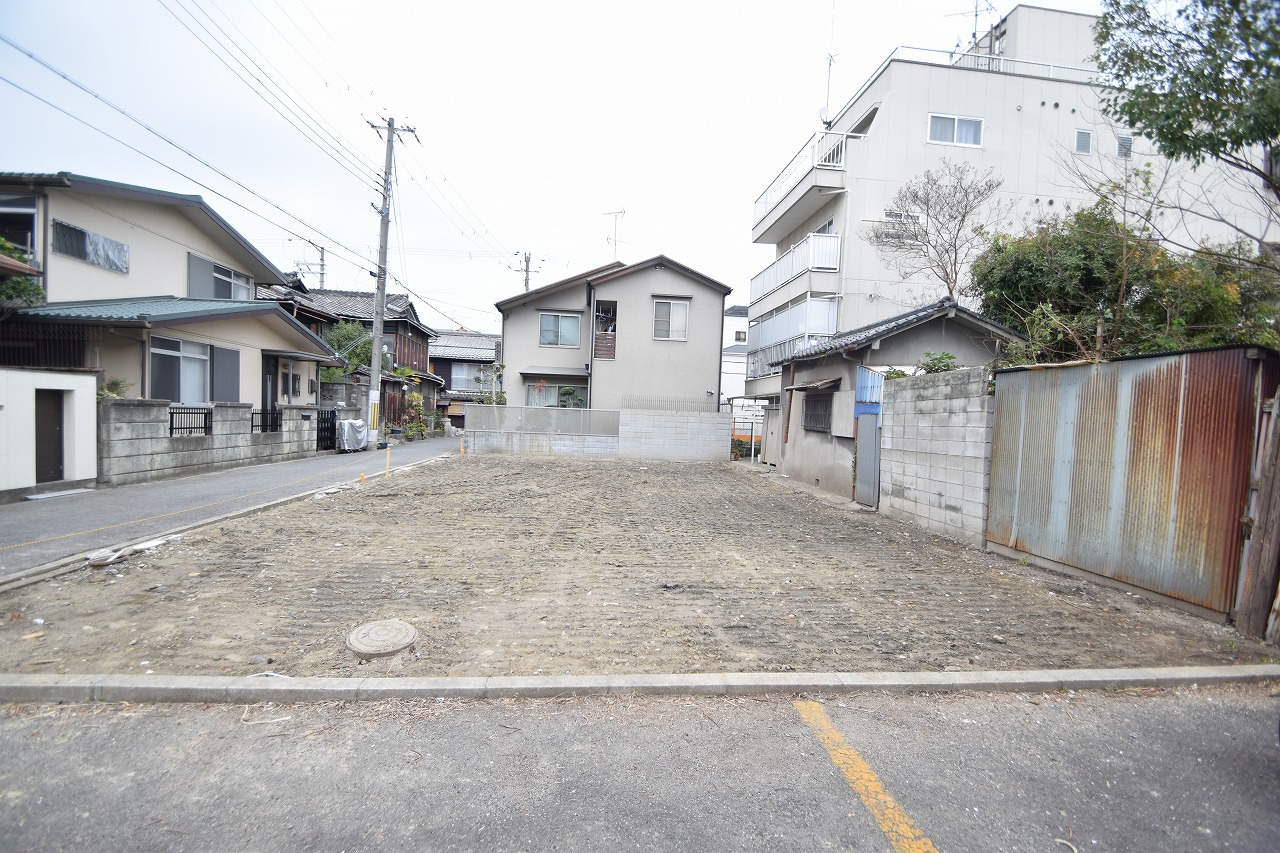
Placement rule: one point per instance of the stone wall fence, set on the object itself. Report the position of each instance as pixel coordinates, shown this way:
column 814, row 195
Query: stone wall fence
column 134, row 444
column 935, row 451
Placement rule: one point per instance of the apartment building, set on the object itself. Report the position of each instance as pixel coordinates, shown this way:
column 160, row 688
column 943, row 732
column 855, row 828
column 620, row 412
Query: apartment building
column 1018, row 102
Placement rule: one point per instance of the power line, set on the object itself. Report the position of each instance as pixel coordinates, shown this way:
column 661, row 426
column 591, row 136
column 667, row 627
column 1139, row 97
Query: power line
column 369, row 181
column 359, row 260
column 150, row 130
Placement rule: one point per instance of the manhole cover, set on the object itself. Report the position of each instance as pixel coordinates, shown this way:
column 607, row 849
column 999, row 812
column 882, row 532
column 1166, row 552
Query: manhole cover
column 382, row 638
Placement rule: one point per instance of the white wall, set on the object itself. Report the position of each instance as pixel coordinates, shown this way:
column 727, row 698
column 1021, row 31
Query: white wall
column 18, row 425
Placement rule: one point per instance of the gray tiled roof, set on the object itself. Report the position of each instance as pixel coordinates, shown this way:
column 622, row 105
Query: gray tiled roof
column 465, row 346
column 147, row 308
column 736, row 311
column 358, row 304
column 860, row 337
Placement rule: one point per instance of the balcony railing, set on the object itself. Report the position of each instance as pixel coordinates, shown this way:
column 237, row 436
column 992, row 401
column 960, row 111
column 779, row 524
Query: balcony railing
column 998, row 64
column 779, row 336
column 816, row 252
column 824, row 150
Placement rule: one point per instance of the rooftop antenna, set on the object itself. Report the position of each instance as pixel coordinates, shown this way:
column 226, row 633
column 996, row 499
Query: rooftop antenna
column 979, row 6
column 615, row 214
column 824, row 114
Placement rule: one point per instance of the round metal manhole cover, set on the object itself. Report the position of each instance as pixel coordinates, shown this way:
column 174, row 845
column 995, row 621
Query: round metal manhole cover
column 382, row 638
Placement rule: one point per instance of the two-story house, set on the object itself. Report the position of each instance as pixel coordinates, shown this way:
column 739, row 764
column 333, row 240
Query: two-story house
column 1019, row 102
column 406, row 339
column 639, row 336
column 466, row 362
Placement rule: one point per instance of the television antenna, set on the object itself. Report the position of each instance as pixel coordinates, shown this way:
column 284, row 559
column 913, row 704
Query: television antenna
column 979, row 7
column 614, row 240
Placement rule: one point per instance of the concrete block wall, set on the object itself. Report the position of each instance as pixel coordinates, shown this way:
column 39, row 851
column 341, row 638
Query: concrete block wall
column 675, row 436
column 541, row 444
column 642, row 434
column 134, row 443
column 935, row 452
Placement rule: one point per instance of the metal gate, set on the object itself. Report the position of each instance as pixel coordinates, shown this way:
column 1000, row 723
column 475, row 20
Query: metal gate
column 866, row 487
column 326, row 429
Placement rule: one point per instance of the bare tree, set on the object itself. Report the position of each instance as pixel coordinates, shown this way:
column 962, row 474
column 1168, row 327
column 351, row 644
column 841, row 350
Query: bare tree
column 940, row 221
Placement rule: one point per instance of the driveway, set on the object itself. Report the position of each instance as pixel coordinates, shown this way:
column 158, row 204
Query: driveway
column 535, row 565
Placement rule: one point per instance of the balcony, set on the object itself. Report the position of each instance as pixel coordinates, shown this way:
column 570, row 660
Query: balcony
column 777, row 337
column 816, row 253
column 802, row 187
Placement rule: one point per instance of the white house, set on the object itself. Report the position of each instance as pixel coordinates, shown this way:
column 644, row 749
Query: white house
column 639, row 336
column 1019, row 102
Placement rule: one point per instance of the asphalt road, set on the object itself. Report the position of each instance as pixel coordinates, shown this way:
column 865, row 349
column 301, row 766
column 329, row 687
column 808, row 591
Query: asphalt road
column 35, row 533
column 1192, row 770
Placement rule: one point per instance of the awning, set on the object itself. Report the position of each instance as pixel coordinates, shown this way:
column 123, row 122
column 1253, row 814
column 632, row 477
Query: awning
column 576, row 372
column 10, row 266
column 820, row 385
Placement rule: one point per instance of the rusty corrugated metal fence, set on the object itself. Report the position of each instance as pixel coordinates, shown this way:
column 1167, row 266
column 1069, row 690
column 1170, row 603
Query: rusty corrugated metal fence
column 1134, row 469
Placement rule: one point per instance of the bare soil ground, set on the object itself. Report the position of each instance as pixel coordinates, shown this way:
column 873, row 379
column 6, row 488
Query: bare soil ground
column 528, row 565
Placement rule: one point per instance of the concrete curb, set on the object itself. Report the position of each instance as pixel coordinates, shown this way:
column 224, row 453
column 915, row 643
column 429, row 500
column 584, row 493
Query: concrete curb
column 253, row 689
column 63, row 565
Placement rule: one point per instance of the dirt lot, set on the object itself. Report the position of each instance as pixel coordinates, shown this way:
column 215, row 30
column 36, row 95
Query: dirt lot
column 522, row 566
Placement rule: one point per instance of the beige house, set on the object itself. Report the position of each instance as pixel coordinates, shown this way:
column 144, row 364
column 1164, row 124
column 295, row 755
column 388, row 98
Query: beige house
column 156, row 291
column 639, row 336
column 1019, row 102
column 153, row 288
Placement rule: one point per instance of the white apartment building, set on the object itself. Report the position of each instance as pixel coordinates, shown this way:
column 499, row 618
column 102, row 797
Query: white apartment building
column 1019, row 102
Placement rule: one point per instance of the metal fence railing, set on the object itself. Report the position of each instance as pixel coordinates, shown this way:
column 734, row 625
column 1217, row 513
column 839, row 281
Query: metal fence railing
column 531, row 419
column 190, row 420
column 266, row 421
column 653, row 403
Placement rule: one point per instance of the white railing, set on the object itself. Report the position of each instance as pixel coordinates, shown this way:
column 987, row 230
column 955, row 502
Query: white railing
column 816, row 252
column 824, row 150
column 998, row 64
column 779, row 336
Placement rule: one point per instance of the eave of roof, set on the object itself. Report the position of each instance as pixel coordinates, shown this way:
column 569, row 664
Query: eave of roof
column 184, row 203
column 555, row 286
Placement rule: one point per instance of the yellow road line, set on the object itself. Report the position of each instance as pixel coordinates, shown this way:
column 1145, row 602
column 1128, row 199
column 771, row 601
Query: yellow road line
column 181, row 511
column 894, row 822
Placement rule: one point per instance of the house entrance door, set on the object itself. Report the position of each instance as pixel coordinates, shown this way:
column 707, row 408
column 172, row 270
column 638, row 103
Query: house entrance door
column 270, row 368
column 48, row 435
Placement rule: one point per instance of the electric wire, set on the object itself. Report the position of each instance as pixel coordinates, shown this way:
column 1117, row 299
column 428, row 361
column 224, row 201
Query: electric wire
column 152, row 131
column 359, row 260
column 367, row 179
column 311, row 111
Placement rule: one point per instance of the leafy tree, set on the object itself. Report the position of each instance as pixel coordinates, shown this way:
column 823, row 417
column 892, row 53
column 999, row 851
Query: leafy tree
column 17, row 291
column 946, row 219
column 345, row 334
column 1088, row 286
column 1202, row 81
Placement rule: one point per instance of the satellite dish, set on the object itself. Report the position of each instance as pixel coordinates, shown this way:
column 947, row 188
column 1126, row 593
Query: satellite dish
column 822, row 115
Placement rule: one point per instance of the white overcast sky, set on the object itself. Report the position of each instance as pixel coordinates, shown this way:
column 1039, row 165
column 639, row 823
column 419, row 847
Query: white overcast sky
column 536, row 117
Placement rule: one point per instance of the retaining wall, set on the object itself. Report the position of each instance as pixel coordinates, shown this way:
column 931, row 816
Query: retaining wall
column 935, row 452
column 134, row 444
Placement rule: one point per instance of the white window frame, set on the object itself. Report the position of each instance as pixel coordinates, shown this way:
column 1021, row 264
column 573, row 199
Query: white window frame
column 1124, row 146
column 239, row 285
column 671, row 320
column 561, row 317
column 955, row 126
column 191, row 356
column 1085, row 136
column 535, row 397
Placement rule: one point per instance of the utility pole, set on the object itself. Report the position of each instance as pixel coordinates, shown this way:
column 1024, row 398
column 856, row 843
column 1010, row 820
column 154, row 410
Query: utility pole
column 380, row 299
column 528, row 257
column 526, row 272
column 307, row 265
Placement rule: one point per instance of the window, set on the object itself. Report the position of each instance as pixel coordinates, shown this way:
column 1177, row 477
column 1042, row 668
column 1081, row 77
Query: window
column 740, row 337
column 185, row 371
column 1084, row 141
column 817, row 412
column 670, row 320
column 89, row 247
column 559, row 330
column 18, row 221
column 1124, row 147
column 828, row 227
column 207, row 280
column 953, row 130
column 899, row 216
column 464, row 377
column 544, row 394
